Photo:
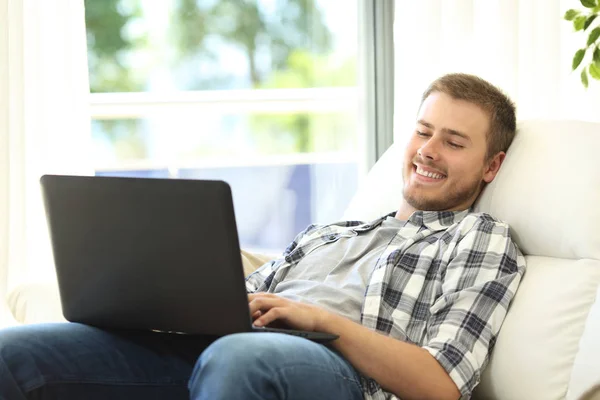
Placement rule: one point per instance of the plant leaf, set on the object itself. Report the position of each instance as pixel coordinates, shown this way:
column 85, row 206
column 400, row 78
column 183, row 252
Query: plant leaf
column 578, row 58
column 594, row 35
column 594, row 71
column 584, row 78
column 589, row 21
column 571, row 14
column 579, row 22
column 597, row 55
column 588, row 3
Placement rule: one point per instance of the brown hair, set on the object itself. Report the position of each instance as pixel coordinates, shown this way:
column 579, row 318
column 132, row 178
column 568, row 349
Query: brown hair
column 487, row 96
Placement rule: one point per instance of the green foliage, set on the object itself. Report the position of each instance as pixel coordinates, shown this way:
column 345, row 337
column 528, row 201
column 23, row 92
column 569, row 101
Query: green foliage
column 190, row 27
column 584, row 78
column 571, row 14
column 589, row 21
column 578, row 58
column 307, row 70
column 292, row 25
column 579, row 22
column 594, row 71
column 583, row 21
column 594, row 35
column 105, row 24
column 588, row 3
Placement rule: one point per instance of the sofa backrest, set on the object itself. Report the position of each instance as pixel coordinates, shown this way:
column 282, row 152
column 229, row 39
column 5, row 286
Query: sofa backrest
column 548, row 190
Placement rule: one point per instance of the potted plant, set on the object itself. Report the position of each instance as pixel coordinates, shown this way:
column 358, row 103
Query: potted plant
column 584, row 21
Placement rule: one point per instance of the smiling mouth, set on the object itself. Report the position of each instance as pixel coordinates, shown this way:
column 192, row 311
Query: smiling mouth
column 431, row 175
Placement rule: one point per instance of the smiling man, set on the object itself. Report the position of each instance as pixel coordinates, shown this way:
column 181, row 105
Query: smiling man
column 455, row 149
column 417, row 297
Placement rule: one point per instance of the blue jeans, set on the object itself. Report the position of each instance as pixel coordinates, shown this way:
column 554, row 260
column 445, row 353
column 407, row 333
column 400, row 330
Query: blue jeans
column 73, row 361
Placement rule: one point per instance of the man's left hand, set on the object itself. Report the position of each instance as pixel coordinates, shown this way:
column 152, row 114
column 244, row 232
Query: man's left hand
column 267, row 308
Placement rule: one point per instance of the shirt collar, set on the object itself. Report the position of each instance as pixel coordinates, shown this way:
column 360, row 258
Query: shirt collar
column 437, row 220
column 434, row 220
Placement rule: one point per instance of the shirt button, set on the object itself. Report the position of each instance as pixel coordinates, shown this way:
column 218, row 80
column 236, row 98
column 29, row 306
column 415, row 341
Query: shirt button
column 332, row 237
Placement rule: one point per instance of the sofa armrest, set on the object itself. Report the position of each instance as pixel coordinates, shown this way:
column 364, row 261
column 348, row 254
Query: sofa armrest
column 251, row 261
column 35, row 302
column 6, row 316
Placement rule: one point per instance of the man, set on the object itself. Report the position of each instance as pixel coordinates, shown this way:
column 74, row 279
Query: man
column 417, row 297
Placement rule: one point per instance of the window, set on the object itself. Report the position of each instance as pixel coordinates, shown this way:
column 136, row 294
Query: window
column 261, row 94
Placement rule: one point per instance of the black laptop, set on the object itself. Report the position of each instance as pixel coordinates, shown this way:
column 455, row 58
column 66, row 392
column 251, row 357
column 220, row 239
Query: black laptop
column 152, row 254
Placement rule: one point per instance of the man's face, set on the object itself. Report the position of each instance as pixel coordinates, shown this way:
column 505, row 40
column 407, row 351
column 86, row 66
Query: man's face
column 445, row 163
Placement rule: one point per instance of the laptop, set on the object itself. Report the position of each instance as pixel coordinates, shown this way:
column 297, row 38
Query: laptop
column 151, row 254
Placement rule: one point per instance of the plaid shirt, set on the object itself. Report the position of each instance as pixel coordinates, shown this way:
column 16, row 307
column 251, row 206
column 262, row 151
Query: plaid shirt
column 444, row 283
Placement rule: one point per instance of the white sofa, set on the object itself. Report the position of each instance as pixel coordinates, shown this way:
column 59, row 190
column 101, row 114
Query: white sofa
column 549, row 191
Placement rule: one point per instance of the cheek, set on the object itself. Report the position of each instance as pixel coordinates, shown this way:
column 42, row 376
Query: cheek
column 410, row 151
column 465, row 168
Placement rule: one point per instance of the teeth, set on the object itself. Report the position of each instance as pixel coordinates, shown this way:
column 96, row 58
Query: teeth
column 429, row 174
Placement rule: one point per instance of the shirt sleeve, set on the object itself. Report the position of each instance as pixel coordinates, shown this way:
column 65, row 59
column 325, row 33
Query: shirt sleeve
column 480, row 281
column 261, row 279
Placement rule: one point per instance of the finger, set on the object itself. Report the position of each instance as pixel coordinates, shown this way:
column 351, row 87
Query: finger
column 256, row 315
column 258, row 304
column 252, row 296
column 272, row 315
column 266, row 303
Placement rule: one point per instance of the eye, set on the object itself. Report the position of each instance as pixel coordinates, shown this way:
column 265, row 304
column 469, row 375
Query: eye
column 455, row 145
column 423, row 134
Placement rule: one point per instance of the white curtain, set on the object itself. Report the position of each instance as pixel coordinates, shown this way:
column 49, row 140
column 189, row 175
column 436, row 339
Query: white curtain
column 44, row 126
column 523, row 46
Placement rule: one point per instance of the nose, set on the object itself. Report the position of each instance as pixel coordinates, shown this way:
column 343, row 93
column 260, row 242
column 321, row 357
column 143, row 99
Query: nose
column 429, row 149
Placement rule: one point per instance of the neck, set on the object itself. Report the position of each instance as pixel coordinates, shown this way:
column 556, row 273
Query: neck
column 405, row 211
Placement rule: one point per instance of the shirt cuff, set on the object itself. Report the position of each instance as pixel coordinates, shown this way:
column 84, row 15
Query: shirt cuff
column 456, row 360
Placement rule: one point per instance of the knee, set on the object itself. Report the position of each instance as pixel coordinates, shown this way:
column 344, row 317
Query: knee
column 239, row 358
column 235, row 353
column 16, row 362
column 14, row 345
column 26, row 351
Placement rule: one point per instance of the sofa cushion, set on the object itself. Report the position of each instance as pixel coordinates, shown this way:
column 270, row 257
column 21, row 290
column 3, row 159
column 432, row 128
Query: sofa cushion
column 548, row 189
column 381, row 191
column 540, row 337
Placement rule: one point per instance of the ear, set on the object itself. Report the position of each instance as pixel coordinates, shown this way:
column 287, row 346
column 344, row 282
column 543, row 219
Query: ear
column 493, row 166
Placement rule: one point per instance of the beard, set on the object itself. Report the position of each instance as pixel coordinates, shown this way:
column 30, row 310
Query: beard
column 452, row 196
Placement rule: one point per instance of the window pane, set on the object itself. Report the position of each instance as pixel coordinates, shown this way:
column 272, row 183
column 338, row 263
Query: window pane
column 137, row 45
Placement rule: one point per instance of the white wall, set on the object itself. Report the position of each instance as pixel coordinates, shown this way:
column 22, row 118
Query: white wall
column 523, row 46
